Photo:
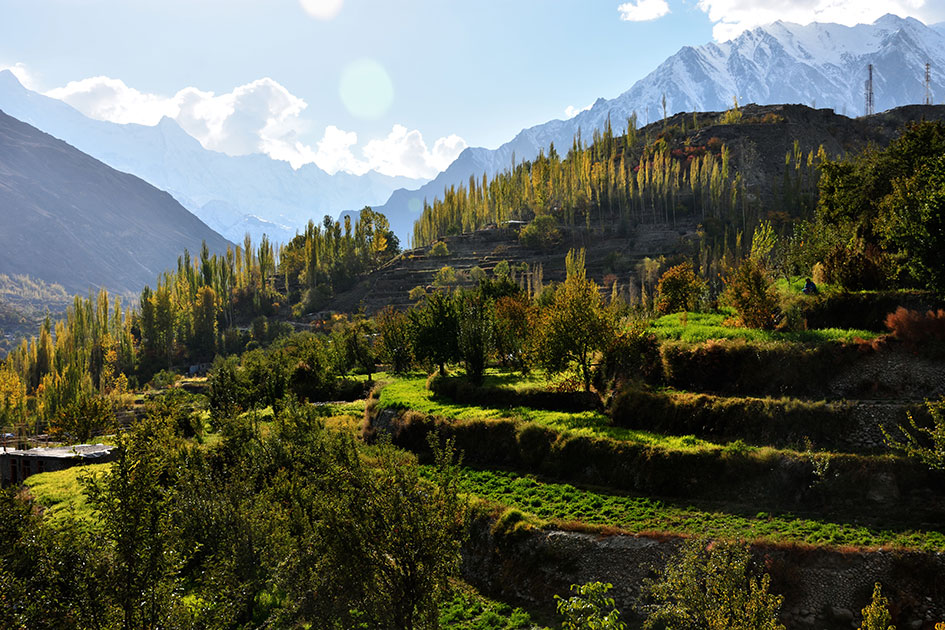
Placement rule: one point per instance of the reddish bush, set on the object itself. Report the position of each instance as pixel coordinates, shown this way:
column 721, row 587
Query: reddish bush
column 915, row 326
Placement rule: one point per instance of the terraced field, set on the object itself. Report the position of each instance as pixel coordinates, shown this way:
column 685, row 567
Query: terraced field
column 802, row 472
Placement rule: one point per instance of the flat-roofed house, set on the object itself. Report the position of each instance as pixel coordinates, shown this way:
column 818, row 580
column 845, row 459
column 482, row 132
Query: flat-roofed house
column 17, row 465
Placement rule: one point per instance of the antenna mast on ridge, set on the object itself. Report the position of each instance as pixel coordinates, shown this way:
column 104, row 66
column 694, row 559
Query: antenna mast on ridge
column 870, row 104
column 928, row 83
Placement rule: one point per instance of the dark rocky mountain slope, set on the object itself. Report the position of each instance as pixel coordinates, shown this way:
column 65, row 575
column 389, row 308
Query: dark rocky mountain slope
column 67, row 218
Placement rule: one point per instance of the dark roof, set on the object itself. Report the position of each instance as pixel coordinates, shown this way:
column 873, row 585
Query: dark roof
column 83, row 451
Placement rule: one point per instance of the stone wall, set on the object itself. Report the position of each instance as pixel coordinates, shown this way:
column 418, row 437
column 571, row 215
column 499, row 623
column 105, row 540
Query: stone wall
column 822, row 589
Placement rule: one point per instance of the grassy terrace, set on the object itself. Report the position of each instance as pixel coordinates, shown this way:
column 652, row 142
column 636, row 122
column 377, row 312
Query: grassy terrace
column 701, row 327
column 411, row 393
column 567, row 506
column 60, row 493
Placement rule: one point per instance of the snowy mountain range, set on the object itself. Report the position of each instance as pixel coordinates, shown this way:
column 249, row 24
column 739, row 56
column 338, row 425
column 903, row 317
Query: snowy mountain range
column 233, row 195
column 820, row 65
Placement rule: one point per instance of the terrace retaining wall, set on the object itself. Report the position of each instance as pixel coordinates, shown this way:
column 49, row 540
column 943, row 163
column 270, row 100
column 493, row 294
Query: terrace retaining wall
column 822, row 588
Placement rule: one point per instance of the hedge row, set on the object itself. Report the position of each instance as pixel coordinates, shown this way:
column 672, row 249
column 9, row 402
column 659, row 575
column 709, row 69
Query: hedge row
column 740, row 368
column 864, row 311
column 765, row 478
column 782, row 423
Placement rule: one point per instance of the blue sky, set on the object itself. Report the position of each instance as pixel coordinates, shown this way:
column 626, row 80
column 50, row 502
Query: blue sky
column 398, row 85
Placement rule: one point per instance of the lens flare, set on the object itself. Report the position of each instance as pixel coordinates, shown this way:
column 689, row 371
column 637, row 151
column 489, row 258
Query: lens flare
column 366, row 89
column 322, row 9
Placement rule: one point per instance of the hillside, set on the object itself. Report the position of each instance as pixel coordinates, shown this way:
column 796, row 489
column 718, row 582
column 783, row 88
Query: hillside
column 68, row 219
column 820, row 65
column 758, row 152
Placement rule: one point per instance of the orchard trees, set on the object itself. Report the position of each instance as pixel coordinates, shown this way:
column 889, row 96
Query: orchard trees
column 576, row 324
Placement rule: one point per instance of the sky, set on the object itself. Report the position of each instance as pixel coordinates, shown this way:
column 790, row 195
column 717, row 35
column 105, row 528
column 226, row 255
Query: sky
column 397, row 86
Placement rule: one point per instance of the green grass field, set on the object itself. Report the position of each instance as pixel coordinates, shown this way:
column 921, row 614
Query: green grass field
column 565, row 505
column 60, row 493
column 410, row 392
column 701, row 327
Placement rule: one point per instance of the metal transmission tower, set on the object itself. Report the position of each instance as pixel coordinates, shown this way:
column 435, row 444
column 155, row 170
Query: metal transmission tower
column 870, row 103
column 928, row 83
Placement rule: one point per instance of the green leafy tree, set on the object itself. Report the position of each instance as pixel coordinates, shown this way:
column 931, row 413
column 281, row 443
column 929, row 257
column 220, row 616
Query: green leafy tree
column 577, row 324
column 515, row 319
column 714, row 587
column 394, row 339
column 912, row 223
column 476, row 315
column 379, row 543
column 205, row 323
column 354, row 345
column 589, row 608
column 136, row 509
column 50, row 577
column 435, row 329
column 226, row 389
column 876, row 615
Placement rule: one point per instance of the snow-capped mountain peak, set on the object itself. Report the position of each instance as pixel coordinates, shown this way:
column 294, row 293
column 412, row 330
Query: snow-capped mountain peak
column 233, row 195
column 822, row 65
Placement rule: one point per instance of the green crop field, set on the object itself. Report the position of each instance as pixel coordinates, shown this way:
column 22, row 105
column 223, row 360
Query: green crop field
column 411, row 393
column 701, row 327
column 561, row 504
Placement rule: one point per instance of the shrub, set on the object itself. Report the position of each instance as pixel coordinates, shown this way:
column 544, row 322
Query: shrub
column 876, row 616
column 732, row 116
column 915, row 326
column 750, row 293
column 927, row 444
column 856, row 267
column 417, row 293
column 541, row 233
column 439, row 249
column 712, row 586
column 679, row 289
column 164, row 379
column 632, row 355
column 589, row 607
column 445, row 277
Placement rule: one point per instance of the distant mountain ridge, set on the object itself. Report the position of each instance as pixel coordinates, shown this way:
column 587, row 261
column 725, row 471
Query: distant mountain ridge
column 67, row 218
column 233, row 195
column 822, row 65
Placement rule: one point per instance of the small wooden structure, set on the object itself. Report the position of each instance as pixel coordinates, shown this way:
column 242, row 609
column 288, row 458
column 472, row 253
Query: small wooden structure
column 17, row 465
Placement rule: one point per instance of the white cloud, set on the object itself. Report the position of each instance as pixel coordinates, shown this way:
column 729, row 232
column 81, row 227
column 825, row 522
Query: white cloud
column 643, row 10
column 24, row 76
column 262, row 117
column 732, row 17
column 404, row 151
column 571, row 111
column 105, row 98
